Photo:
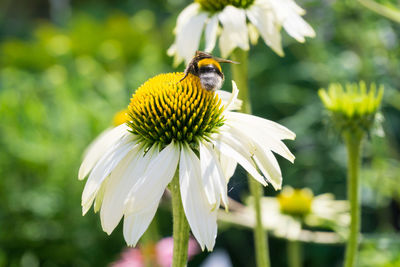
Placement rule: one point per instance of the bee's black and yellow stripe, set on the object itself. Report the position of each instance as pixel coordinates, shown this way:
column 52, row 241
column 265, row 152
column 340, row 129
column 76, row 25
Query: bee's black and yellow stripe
column 209, row 65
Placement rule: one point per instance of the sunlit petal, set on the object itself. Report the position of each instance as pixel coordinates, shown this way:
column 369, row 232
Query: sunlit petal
column 201, row 218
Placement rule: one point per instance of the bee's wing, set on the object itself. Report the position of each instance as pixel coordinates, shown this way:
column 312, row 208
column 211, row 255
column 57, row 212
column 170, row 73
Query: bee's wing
column 222, row 60
column 189, row 69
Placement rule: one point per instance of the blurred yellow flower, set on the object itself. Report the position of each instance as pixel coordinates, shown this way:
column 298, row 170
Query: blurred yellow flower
column 295, row 202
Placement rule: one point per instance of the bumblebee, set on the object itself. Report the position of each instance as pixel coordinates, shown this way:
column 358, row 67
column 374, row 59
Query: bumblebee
column 208, row 69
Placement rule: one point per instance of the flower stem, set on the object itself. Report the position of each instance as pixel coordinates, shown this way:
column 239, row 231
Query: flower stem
column 180, row 225
column 353, row 143
column 294, row 253
column 240, row 75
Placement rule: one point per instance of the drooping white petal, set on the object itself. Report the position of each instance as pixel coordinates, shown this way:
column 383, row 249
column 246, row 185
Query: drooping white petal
column 151, row 185
column 103, row 168
column 188, row 38
column 217, row 174
column 228, row 166
column 231, row 147
column 99, row 197
column 136, row 224
column 99, row 147
column 201, row 218
column 213, row 177
column 253, row 122
column 207, row 170
column 253, row 33
column 234, row 31
column 265, row 22
column 119, row 184
column 211, row 33
column 265, row 138
column 298, row 28
column 269, row 166
column 288, row 14
column 187, row 13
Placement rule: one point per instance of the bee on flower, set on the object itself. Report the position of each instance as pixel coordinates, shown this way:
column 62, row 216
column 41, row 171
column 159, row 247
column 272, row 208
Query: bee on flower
column 180, row 135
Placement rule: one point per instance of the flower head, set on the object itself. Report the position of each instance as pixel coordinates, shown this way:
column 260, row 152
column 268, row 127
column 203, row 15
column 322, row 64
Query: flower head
column 178, row 128
column 164, row 110
column 352, row 108
column 237, row 21
column 288, row 215
column 296, row 202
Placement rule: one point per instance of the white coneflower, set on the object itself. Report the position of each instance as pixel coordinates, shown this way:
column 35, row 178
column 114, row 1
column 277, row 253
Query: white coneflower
column 237, row 21
column 178, row 128
column 286, row 215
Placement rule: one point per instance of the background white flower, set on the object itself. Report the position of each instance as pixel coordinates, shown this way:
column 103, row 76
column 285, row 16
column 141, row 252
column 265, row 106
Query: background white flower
column 286, row 215
column 235, row 22
column 129, row 172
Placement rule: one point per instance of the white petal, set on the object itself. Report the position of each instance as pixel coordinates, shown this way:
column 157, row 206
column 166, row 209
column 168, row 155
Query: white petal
column 258, row 154
column 211, row 33
column 188, row 38
column 253, row 33
column 269, row 166
column 265, row 22
column 172, row 53
column 265, row 138
column 208, row 169
column 233, row 98
column 226, row 98
column 99, row 197
column 253, row 122
column 228, row 166
column 151, row 185
column 298, row 28
column 201, row 218
column 183, row 18
column 186, row 14
column 103, row 169
column 288, row 14
column 136, row 224
column 231, row 147
column 234, row 31
column 99, row 147
column 213, row 178
column 119, row 184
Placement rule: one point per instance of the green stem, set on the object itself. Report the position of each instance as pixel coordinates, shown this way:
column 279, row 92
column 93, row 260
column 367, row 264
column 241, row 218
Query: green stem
column 353, row 144
column 240, row 76
column 294, row 253
column 180, row 226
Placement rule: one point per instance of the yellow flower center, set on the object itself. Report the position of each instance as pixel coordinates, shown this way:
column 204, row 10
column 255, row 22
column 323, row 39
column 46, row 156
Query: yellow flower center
column 120, row 117
column 295, row 202
column 164, row 109
column 218, row 5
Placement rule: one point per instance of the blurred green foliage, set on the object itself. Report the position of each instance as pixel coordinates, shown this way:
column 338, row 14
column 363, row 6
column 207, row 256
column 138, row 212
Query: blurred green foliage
column 61, row 85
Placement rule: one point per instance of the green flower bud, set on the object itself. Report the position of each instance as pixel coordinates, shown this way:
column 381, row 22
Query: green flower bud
column 354, row 107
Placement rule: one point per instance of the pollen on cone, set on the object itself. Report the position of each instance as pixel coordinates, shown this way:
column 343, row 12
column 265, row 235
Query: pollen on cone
column 165, row 109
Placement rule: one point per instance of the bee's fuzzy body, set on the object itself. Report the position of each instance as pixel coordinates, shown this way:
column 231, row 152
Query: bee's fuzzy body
column 208, row 69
